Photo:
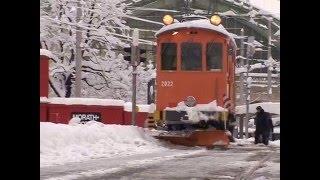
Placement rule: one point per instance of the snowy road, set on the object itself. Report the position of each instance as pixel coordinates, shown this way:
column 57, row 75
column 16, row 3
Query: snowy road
column 239, row 162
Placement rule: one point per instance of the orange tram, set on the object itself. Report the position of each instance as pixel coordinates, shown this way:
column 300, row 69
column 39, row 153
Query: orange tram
column 195, row 61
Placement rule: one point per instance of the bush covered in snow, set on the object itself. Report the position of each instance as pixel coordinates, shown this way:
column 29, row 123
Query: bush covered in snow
column 105, row 74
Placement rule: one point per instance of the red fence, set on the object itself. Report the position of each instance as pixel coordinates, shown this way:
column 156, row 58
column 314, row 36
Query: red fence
column 63, row 109
column 107, row 114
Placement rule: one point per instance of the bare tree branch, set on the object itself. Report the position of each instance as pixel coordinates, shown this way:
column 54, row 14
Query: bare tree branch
column 54, row 88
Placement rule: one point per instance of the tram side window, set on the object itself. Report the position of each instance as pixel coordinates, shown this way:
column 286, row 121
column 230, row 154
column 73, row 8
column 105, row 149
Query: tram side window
column 168, row 56
column 191, row 57
column 214, row 56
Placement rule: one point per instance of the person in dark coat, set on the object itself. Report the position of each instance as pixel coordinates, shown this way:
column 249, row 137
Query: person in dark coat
column 264, row 126
column 231, row 124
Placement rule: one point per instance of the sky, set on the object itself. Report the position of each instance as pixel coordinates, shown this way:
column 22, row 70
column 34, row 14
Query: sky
column 272, row 6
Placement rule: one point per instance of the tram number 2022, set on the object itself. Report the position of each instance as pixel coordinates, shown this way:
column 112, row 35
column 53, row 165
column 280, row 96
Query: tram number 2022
column 166, row 83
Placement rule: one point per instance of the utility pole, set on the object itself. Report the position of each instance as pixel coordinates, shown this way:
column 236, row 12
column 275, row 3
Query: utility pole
column 250, row 52
column 78, row 52
column 241, row 80
column 269, row 60
column 187, row 5
column 241, row 65
column 247, row 100
column 134, row 63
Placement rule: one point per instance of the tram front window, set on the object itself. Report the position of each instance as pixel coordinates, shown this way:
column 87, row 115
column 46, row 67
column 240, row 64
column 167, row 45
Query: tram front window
column 168, row 56
column 191, row 58
column 214, row 56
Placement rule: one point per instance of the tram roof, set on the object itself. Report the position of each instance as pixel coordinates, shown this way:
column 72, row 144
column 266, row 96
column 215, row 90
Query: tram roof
column 199, row 23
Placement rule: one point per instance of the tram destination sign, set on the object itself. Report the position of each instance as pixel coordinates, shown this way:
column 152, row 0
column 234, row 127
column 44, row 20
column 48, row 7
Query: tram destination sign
column 87, row 116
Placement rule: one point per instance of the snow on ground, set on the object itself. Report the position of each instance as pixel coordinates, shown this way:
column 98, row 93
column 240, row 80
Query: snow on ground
column 61, row 143
column 244, row 141
column 275, row 143
column 124, row 164
column 99, row 143
column 271, row 107
column 250, row 141
column 260, row 178
column 275, row 130
column 268, row 167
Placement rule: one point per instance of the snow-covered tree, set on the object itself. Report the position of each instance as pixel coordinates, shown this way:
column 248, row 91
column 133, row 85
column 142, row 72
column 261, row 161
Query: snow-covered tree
column 104, row 72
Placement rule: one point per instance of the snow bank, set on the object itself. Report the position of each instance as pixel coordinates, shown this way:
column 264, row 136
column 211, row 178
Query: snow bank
column 250, row 141
column 275, row 143
column 142, row 107
column 243, row 141
column 271, row 107
column 43, row 99
column 74, row 121
column 45, row 52
column 86, row 101
column 61, row 143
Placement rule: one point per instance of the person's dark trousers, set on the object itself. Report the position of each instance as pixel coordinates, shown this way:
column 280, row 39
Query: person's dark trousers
column 231, row 139
column 257, row 135
column 265, row 137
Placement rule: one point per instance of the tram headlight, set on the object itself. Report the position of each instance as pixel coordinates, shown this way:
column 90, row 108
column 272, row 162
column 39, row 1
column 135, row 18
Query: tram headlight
column 167, row 19
column 190, row 101
column 215, row 20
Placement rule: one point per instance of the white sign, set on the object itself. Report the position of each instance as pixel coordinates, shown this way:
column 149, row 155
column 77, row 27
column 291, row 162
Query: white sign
column 84, row 116
column 166, row 83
